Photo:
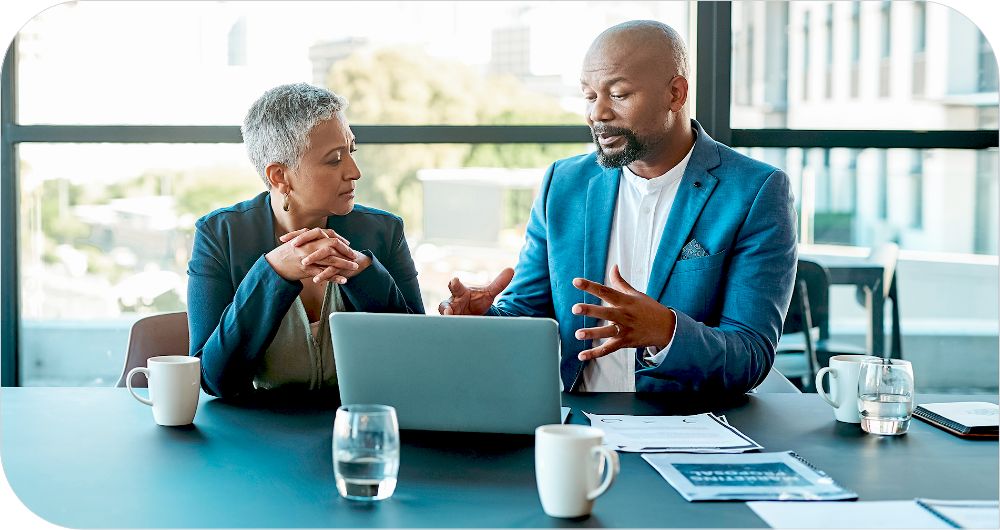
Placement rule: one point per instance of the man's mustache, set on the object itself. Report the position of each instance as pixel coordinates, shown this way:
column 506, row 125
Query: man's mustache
column 609, row 130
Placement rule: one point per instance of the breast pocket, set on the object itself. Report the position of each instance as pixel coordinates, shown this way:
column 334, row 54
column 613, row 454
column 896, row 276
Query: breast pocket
column 697, row 264
column 693, row 287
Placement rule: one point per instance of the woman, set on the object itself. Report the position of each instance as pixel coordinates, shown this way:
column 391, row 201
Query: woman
column 265, row 274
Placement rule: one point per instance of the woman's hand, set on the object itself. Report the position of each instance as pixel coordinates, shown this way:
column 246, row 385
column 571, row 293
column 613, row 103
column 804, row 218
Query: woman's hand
column 321, row 254
column 328, row 250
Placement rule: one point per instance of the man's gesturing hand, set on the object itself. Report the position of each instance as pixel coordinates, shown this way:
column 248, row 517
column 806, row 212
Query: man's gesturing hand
column 634, row 319
column 474, row 300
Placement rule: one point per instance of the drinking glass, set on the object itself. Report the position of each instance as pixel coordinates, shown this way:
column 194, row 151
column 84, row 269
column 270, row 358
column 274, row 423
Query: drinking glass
column 885, row 396
column 366, row 451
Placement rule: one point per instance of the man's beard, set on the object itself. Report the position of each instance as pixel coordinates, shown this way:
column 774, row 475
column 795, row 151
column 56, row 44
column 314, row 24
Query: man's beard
column 634, row 148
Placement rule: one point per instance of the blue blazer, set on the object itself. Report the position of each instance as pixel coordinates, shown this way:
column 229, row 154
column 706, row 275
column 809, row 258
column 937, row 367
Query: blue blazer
column 236, row 300
column 730, row 305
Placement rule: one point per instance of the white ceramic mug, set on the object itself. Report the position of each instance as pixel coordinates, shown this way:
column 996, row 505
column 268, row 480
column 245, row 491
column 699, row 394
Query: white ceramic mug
column 174, row 387
column 569, row 462
column 843, row 396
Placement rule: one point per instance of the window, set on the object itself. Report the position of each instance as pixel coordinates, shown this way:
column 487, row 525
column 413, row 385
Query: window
column 987, row 66
column 919, row 47
column 885, row 14
column 855, row 47
column 806, row 53
column 105, row 225
column 828, row 85
column 856, row 82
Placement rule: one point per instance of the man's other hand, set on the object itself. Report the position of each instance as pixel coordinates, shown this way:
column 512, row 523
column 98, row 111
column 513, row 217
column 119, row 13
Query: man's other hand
column 474, row 300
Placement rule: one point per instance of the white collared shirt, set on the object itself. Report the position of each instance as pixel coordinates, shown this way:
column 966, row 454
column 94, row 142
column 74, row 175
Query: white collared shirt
column 641, row 213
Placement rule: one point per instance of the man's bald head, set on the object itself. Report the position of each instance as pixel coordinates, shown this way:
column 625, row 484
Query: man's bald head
column 644, row 38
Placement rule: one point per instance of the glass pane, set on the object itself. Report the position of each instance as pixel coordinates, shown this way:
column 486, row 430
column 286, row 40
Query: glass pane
column 934, row 200
column 203, row 63
column 860, row 65
column 106, row 231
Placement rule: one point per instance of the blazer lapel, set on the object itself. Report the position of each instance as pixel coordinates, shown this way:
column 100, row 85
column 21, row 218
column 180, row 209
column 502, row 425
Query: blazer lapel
column 695, row 188
column 602, row 194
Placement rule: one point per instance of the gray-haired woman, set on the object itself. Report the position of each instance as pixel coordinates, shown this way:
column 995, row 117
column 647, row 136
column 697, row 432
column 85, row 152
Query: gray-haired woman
column 266, row 273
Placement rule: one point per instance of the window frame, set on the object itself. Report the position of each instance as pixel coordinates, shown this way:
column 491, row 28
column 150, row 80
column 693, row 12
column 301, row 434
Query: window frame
column 713, row 76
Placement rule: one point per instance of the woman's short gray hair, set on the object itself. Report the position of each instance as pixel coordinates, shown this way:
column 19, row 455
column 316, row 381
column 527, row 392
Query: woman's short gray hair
column 276, row 128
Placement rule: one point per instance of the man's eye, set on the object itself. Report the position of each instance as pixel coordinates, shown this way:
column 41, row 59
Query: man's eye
column 619, row 97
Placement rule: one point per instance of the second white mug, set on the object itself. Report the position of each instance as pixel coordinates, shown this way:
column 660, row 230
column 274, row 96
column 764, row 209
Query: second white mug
column 843, row 396
column 174, row 387
column 569, row 462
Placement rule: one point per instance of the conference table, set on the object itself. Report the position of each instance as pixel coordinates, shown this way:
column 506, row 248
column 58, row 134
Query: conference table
column 92, row 457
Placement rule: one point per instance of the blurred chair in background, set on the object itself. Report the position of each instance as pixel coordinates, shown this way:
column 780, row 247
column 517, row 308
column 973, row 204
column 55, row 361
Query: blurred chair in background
column 165, row 334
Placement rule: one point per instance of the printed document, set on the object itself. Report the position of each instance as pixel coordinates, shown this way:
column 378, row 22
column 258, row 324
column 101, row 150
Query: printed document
column 700, row 433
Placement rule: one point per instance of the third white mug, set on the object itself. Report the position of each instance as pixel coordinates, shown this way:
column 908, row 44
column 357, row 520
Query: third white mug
column 569, row 461
column 843, row 396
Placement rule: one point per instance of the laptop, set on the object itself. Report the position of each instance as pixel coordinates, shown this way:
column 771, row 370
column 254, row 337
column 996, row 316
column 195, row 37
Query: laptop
column 451, row 373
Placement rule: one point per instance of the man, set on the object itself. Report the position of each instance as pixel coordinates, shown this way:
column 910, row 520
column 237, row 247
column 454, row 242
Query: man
column 666, row 257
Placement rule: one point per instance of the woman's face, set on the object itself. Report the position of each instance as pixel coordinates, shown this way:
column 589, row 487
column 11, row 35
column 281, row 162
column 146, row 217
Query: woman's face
column 324, row 182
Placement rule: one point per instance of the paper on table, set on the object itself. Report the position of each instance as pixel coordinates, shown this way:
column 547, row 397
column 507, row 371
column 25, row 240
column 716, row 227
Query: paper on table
column 700, row 433
column 869, row 514
column 965, row 514
column 565, row 413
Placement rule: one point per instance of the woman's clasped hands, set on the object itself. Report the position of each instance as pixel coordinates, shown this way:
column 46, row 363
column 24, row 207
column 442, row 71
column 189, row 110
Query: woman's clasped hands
column 319, row 253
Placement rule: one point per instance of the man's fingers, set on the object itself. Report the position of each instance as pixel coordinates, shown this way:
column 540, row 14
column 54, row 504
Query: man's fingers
column 602, row 332
column 603, row 292
column 457, row 288
column 500, row 282
column 610, row 346
column 597, row 311
column 444, row 308
column 619, row 282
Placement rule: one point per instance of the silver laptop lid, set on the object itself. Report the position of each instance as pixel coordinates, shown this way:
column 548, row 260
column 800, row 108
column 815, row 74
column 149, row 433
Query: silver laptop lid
column 450, row 373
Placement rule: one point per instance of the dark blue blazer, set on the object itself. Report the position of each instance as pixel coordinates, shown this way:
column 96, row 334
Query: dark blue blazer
column 236, row 300
column 730, row 304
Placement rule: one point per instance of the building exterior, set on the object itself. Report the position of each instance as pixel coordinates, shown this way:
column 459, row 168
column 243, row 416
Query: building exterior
column 874, row 65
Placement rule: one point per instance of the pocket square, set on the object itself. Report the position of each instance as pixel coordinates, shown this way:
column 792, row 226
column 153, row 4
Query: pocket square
column 693, row 249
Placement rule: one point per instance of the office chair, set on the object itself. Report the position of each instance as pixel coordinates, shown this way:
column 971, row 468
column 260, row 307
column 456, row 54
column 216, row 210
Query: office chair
column 164, row 334
column 809, row 309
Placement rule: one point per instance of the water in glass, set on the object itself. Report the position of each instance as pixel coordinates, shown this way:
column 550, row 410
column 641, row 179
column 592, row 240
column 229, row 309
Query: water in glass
column 885, row 413
column 366, row 452
column 885, row 396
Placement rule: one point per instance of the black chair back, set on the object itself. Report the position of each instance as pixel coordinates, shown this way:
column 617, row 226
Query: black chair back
column 812, row 292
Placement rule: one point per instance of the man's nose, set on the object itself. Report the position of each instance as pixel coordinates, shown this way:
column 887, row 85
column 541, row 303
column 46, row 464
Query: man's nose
column 600, row 110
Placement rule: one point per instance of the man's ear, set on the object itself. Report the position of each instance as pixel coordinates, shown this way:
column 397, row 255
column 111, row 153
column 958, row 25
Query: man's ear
column 277, row 175
column 678, row 88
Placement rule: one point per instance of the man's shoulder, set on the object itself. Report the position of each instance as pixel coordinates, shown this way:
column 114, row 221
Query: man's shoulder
column 731, row 160
column 585, row 164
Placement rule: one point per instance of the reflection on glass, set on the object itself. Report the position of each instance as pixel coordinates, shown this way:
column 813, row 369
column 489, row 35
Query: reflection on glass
column 859, row 65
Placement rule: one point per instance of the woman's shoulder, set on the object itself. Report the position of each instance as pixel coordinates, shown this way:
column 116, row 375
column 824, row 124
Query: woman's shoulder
column 370, row 215
column 245, row 211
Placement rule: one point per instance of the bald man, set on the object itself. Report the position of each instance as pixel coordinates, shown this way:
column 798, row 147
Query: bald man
column 666, row 257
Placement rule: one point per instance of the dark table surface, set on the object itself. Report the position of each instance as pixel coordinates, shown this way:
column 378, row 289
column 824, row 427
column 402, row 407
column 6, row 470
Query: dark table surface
column 92, row 457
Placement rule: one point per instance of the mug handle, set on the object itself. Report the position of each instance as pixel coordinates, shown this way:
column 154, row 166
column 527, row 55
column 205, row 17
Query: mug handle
column 819, row 385
column 611, row 461
column 128, row 383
